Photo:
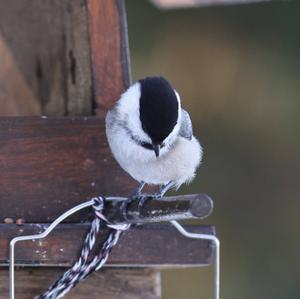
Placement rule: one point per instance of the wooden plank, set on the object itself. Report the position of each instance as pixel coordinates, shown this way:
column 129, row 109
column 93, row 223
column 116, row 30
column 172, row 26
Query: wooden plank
column 109, row 51
column 153, row 246
column 44, row 58
column 107, row 283
column 78, row 100
column 10, row 77
column 55, row 76
column 48, row 165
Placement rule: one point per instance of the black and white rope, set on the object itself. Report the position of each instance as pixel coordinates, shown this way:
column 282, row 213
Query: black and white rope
column 85, row 265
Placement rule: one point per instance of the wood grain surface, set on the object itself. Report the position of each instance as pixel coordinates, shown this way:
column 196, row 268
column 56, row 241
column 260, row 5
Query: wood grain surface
column 155, row 245
column 109, row 51
column 66, row 57
column 48, row 165
column 44, row 58
column 106, row 284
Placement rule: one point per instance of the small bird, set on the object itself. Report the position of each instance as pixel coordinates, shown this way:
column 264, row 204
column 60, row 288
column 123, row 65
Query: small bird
column 151, row 136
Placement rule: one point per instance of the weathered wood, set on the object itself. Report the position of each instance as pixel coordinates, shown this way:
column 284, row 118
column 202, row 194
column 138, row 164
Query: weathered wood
column 106, row 284
column 153, row 246
column 77, row 59
column 45, row 51
column 10, row 77
column 46, row 55
column 109, row 51
column 48, row 165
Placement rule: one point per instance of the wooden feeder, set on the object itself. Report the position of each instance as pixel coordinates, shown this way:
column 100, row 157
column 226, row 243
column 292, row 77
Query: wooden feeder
column 60, row 63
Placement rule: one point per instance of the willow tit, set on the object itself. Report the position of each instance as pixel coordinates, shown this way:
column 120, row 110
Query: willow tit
column 151, row 136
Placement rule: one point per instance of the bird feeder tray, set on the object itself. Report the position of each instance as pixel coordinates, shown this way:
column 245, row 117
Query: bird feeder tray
column 68, row 59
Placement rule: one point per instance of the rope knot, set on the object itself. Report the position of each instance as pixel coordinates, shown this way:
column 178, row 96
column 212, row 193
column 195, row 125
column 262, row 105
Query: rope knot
column 98, row 203
column 86, row 263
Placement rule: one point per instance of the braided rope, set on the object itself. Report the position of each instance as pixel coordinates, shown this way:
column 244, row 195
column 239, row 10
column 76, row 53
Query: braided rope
column 84, row 266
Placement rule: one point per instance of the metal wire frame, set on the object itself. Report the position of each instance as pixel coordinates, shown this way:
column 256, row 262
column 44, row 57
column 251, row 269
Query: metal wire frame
column 89, row 203
column 216, row 244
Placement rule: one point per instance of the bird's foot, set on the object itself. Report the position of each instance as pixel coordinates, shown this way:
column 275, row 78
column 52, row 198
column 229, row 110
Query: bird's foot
column 141, row 198
column 137, row 195
column 138, row 191
column 156, row 195
column 124, row 206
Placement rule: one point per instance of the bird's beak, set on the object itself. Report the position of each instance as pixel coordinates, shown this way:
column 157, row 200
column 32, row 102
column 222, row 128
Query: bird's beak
column 156, row 148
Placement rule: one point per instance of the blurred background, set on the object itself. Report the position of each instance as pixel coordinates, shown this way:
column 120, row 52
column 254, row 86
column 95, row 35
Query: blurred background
column 237, row 69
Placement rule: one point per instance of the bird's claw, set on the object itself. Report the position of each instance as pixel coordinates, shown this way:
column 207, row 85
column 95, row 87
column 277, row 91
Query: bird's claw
column 141, row 198
column 145, row 197
column 124, row 207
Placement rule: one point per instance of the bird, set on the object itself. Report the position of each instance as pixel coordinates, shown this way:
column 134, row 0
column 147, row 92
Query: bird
column 151, row 136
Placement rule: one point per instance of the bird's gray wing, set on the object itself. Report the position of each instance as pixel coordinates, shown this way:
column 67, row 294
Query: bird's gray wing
column 186, row 128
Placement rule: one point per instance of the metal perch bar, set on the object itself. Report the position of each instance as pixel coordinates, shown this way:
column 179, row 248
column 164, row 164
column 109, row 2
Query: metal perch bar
column 195, row 206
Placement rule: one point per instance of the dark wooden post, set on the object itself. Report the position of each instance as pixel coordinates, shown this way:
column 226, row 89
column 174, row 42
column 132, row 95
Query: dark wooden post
column 64, row 59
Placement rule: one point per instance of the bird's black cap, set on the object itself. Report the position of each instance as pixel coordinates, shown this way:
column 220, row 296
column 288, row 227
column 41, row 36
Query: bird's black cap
column 158, row 108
